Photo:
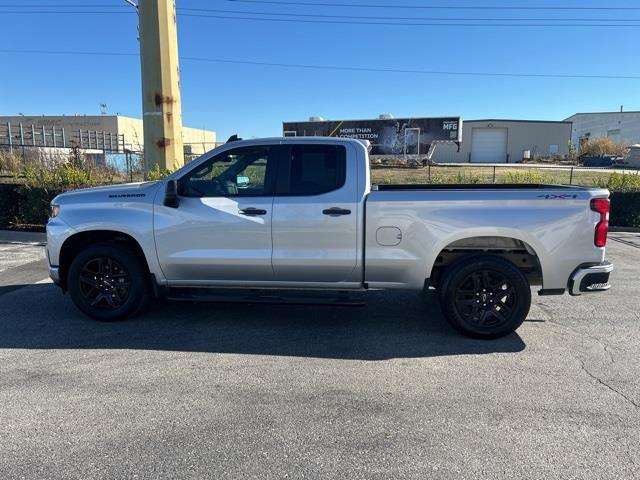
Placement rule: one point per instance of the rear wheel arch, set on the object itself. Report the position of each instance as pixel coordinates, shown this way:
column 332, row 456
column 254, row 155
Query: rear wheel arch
column 514, row 250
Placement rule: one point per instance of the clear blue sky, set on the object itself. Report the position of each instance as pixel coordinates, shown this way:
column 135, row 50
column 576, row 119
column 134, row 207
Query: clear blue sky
column 253, row 100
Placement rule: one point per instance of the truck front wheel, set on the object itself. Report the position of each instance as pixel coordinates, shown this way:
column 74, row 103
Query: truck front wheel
column 485, row 296
column 107, row 281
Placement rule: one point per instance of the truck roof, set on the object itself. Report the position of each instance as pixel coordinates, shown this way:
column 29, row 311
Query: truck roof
column 307, row 139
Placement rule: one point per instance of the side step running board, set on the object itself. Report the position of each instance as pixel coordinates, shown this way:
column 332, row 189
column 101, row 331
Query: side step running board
column 293, row 297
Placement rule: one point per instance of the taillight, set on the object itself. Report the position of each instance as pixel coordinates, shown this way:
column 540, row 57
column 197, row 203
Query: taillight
column 601, row 206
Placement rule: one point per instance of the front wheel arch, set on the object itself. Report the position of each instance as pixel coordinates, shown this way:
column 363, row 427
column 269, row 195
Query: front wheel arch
column 77, row 242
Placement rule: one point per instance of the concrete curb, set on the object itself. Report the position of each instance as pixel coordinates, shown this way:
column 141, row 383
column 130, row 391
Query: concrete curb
column 624, row 229
column 12, row 236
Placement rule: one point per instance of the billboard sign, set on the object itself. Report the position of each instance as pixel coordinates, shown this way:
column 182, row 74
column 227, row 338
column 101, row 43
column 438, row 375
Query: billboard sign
column 410, row 136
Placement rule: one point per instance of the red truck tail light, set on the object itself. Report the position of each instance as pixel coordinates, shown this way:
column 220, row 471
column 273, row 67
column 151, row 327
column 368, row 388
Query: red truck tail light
column 601, row 206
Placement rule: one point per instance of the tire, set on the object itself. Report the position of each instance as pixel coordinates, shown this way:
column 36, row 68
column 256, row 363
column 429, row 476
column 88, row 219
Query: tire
column 108, row 281
column 485, row 296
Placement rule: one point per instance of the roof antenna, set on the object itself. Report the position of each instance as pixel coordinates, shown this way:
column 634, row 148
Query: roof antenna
column 233, row 138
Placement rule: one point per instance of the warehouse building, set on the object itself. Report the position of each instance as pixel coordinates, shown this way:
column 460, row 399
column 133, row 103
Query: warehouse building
column 621, row 127
column 92, row 130
column 449, row 139
column 507, row 141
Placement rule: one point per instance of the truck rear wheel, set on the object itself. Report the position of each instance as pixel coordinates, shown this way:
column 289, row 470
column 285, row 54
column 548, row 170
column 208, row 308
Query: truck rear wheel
column 485, row 296
column 107, row 281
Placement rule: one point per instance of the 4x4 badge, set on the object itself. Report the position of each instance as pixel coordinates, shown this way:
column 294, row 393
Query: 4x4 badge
column 564, row 196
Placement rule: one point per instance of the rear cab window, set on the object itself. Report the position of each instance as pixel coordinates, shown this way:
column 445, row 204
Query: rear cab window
column 312, row 170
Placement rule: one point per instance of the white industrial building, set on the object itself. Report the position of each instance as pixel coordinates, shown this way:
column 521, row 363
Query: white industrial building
column 507, row 141
column 621, row 127
column 92, row 131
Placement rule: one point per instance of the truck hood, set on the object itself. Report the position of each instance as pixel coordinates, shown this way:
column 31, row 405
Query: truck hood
column 140, row 191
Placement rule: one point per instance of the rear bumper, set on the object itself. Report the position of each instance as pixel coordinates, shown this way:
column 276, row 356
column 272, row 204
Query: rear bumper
column 590, row 279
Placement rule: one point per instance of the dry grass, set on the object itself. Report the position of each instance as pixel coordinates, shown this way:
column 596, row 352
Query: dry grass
column 476, row 174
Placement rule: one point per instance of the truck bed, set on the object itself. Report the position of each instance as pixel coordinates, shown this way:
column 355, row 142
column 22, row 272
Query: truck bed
column 407, row 226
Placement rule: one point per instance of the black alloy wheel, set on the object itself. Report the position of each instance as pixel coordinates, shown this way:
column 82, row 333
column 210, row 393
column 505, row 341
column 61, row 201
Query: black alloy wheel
column 108, row 281
column 104, row 283
column 485, row 296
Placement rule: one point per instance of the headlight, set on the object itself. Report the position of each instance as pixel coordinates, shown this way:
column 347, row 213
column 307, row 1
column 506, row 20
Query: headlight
column 55, row 211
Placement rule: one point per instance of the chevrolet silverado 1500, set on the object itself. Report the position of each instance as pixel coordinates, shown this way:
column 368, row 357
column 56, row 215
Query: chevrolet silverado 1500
column 301, row 214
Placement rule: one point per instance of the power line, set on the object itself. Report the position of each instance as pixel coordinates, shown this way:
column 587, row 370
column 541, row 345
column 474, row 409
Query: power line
column 58, row 5
column 346, row 5
column 386, row 17
column 431, row 7
column 369, row 20
column 412, row 71
column 452, row 23
column 60, row 12
column 69, row 52
column 443, row 22
column 341, row 68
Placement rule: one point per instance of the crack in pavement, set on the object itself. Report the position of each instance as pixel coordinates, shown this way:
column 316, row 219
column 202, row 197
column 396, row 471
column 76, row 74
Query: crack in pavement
column 605, row 384
column 606, row 348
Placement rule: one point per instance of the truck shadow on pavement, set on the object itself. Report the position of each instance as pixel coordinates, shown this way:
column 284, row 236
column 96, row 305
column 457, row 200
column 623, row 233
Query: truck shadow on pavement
column 390, row 325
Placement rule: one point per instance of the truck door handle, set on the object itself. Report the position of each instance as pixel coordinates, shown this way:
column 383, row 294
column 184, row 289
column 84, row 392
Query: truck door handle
column 336, row 211
column 250, row 211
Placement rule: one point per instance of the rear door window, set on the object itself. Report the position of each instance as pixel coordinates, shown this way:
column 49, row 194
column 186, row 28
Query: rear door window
column 312, row 170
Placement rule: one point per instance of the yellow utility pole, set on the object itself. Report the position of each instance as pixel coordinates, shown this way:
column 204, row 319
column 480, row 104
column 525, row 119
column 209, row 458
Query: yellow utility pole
column 161, row 107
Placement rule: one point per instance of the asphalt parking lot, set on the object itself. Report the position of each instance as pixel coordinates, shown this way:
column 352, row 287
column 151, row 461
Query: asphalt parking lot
column 387, row 390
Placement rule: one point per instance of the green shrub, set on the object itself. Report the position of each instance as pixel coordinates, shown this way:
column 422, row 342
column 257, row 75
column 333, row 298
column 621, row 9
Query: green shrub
column 466, row 178
column 158, row 173
column 528, row 177
column 42, row 184
column 620, row 182
column 625, row 209
column 63, row 176
column 8, row 204
column 33, row 205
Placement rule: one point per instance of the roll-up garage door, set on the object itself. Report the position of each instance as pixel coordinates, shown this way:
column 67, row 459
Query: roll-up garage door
column 489, row 145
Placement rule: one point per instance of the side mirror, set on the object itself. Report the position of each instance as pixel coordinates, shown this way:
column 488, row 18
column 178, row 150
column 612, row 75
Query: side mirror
column 171, row 194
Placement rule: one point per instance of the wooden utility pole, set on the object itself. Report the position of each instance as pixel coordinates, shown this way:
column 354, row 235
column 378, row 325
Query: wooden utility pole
column 161, row 107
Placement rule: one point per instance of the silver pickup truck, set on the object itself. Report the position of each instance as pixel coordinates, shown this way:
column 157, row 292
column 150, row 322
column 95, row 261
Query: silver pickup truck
column 301, row 214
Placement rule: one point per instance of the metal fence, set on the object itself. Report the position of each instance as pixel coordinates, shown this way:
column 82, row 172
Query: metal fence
column 464, row 173
column 114, row 166
column 27, row 145
column 19, row 136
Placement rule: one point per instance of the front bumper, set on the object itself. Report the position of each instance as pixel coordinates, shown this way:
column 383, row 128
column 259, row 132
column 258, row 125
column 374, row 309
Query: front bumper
column 590, row 279
column 54, row 274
